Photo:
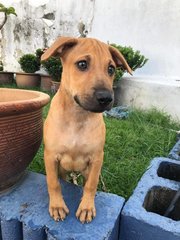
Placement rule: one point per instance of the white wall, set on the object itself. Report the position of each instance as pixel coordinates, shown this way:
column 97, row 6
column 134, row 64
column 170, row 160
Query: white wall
column 147, row 25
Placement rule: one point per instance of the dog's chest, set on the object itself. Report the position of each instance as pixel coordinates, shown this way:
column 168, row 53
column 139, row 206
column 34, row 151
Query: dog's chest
column 75, row 152
column 77, row 163
column 79, row 139
column 77, row 147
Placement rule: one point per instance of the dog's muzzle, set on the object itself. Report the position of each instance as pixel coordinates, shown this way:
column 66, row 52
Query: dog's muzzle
column 103, row 97
column 101, row 100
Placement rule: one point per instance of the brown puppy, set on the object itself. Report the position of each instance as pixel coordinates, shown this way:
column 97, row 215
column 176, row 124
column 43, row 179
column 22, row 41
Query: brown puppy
column 74, row 131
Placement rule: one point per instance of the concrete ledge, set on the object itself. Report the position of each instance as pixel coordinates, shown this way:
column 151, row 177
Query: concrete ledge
column 24, row 213
column 138, row 223
column 175, row 152
column 147, row 92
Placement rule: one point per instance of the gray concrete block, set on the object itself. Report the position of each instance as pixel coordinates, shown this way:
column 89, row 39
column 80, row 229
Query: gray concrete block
column 33, row 234
column 11, row 229
column 175, row 152
column 142, row 216
column 28, row 203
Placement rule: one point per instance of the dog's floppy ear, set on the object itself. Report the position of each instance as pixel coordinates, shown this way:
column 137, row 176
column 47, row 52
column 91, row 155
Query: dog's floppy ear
column 59, row 47
column 119, row 59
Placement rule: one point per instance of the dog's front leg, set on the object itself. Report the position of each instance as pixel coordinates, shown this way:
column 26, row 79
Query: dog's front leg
column 57, row 207
column 86, row 210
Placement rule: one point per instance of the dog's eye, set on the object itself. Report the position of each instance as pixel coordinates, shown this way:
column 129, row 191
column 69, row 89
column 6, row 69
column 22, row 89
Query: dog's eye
column 82, row 65
column 111, row 70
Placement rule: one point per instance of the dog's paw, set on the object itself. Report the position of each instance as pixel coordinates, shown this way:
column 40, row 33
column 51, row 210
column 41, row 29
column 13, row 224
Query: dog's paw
column 86, row 211
column 58, row 210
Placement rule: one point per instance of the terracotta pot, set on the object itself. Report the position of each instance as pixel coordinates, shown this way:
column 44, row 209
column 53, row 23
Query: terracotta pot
column 46, row 82
column 6, row 77
column 20, row 131
column 54, row 86
column 28, row 80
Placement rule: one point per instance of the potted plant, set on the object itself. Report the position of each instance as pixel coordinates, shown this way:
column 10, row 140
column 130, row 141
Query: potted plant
column 54, row 68
column 5, row 76
column 29, row 64
column 45, row 78
column 134, row 59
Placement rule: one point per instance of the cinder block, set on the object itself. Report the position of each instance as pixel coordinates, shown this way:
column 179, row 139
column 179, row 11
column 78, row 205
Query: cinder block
column 33, row 234
column 11, row 229
column 143, row 217
column 0, row 233
column 28, row 204
column 175, row 152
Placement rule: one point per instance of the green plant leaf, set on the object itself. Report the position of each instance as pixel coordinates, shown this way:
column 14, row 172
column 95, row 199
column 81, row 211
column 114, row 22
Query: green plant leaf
column 1, row 5
column 3, row 9
column 11, row 10
column 8, row 11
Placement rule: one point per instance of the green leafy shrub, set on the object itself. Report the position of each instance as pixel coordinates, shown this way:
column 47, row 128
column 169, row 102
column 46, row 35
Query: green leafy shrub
column 133, row 58
column 118, row 74
column 54, row 68
column 39, row 53
column 29, row 63
column 1, row 66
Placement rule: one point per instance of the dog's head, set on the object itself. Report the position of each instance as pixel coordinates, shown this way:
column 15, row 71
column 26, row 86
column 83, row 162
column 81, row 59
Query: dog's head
column 88, row 70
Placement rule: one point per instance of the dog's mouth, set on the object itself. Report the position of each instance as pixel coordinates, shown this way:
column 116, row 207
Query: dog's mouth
column 93, row 105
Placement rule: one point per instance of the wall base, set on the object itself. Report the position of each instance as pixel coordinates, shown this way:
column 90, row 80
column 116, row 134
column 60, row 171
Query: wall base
column 148, row 92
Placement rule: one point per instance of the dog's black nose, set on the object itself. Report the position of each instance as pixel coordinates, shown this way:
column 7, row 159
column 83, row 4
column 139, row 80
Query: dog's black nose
column 104, row 97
